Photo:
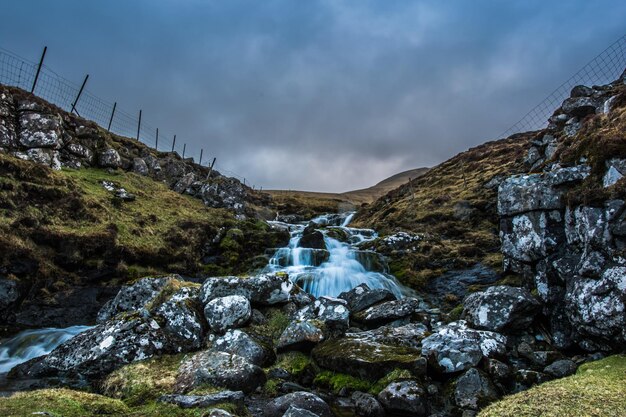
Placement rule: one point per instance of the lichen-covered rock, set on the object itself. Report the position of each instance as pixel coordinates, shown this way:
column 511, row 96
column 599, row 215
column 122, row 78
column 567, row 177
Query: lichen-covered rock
column 473, row 390
column 300, row 335
column 140, row 167
column 135, row 297
column 531, row 236
column 228, row 312
column 369, row 355
column 265, row 289
column 596, row 307
column 501, row 309
column 183, row 320
column 102, row 349
column 241, row 344
column 219, row 369
column 406, row 398
column 362, row 296
column 328, row 313
column 294, row 411
column 366, row 405
column 524, row 193
column 202, row 401
column 389, row 311
column 455, row 347
column 303, row 400
column 80, row 150
column 39, row 130
column 110, row 159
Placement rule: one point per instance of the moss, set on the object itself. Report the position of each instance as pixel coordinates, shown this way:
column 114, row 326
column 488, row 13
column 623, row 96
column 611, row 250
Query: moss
column 597, row 389
column 61, row 402
column 293, row 362
column 141, row 382
column 276, row 323
column 455, row 313
column 337, row 382
column 393, row 376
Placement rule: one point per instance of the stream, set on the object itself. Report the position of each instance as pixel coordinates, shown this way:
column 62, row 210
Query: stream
column 337, row 265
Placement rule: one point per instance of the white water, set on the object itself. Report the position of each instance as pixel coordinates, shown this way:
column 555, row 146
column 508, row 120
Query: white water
column 30, row 344
column 346, row 265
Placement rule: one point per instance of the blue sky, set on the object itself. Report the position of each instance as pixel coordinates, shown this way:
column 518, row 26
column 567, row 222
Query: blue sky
column 319, row 95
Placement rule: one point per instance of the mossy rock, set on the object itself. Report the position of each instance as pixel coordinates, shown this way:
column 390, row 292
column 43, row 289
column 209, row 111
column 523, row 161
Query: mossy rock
column 597, row 389
column 366, row 359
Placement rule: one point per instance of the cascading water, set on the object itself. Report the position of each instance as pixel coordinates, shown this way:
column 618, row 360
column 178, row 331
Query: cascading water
column 30, row 344
column 340, row 266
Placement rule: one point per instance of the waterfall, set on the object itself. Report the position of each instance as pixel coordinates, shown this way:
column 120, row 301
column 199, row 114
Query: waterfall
column 30, row 344
column 340, row 266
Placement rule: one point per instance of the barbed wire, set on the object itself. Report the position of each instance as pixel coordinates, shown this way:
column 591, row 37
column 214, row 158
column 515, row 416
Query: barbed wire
column 606, row 67
column 17, row 71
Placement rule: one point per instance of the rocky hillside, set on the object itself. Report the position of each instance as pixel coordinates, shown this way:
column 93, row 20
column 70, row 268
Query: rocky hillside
column 83, row 211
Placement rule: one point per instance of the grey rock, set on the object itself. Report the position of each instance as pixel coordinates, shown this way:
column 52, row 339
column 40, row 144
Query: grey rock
column 294, row 411
column 474, row 390
column 9, row 292
column 219, row 369
column 616, row 168
column 207, row 400
column 102, row 349
column 224, row 313
column 140, row 167
column 501, row 308
column 581, row 91
column 303, row 400
column 135, row 297
column 499, row 371
column 241, row 344
column 266, row 289
column 561, row 368
column 38, row 130
column 362, row 297
column 366, row 405
column 389, row 311
column 455, row 347
column 80, row 150
column 579, row 106
column 300, row 335
column 183, row 320
column 110, row 159
column 404, row 398
column 529, row 237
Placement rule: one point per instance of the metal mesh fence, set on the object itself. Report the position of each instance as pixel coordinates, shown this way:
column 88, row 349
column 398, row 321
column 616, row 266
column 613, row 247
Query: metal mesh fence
column 603, row 69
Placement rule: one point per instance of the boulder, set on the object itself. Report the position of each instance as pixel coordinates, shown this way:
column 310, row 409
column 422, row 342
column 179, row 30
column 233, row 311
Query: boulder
column 532, row 236
column 266, row 289
column 389, row 311
column 312, row 238
column 303, row 400
column 561, row 368
column 135, row 297
column 366, row 405
column 219, row 369
column 80, row 151
column 595, row 307
column 579, row 106
column 362, row 296
column 294, row 411
column 404, row 398
column 368, row 355
column 110, row 159
column 501, row 309
column 181, row 314
column 202, row 401
column 473, row 390
column 101, row 349
column 140, row 167
column 240, row 343
column 300, row 335
column 9, row 292
column 456, row 348
column 39, row 130
column 224, row 313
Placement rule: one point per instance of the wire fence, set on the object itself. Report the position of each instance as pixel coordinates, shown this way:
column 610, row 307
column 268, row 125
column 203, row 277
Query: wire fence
column 19, row 72
column 603, row 69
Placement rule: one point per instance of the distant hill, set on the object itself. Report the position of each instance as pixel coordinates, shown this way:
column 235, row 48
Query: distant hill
column 309, row 203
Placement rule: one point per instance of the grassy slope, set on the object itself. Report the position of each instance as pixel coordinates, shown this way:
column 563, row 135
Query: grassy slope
column 597, row 389
column 66, row 225
column 452, row 207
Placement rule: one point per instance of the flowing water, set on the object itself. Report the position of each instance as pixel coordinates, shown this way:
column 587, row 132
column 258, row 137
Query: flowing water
column 337, row 267
column 30, row 344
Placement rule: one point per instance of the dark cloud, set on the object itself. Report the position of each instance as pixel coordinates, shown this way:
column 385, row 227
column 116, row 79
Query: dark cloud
column 321, row 95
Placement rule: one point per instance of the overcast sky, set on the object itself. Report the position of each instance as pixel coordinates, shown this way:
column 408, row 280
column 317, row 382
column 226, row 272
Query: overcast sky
column 324, row 95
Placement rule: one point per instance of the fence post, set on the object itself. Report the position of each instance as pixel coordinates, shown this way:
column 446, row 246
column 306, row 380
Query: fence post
column 200, row 162
column 184, row 148
column 82, row 87
column 174, row 143
column 139, row 126
column 43, row 55
column 156, row 146
column 112, row 113
column 210, row 169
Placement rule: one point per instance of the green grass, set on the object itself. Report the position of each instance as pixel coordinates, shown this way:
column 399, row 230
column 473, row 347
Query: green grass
column 597, row 389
